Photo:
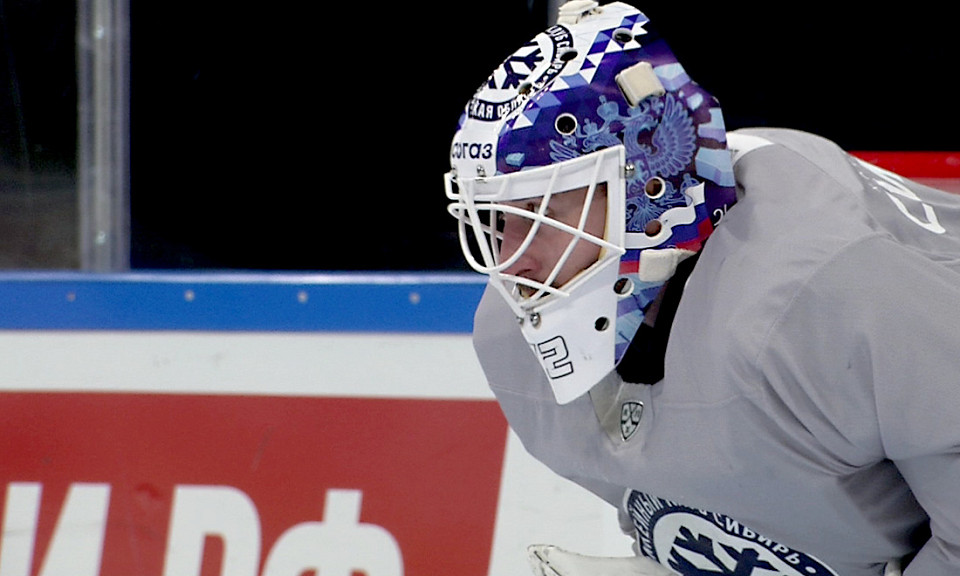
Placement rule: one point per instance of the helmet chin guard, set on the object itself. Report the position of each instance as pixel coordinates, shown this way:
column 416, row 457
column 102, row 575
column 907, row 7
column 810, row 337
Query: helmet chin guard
column 596, row 104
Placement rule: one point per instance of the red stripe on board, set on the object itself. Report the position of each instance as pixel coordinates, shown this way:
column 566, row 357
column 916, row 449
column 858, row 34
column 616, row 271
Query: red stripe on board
column 915, row 164
column 428, row 471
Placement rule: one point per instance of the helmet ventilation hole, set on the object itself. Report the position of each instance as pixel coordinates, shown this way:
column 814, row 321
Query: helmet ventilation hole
column 655, row 187
column 601, row 324
column 567, row 55
column 566, row 124
column 622, row 35
column 653, row 228
column 623, row 286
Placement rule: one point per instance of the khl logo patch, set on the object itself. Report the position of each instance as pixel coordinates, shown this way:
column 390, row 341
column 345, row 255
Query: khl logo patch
column 699, row 543
column 630, row 413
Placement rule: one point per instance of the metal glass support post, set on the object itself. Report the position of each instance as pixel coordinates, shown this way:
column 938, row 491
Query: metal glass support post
column 553, row 8
column 103, row 166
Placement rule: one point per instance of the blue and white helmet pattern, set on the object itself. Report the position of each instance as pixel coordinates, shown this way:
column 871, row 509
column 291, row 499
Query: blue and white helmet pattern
column 596, row 98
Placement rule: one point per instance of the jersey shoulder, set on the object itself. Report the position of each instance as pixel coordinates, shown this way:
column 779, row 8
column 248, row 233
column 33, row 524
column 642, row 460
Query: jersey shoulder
column 816, row 179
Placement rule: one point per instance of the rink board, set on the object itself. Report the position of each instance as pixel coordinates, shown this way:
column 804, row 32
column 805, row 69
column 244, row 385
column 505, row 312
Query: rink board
column 273, row 425
column 244, row 425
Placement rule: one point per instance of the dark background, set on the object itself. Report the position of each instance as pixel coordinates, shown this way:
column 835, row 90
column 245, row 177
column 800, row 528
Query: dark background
column 314, row 137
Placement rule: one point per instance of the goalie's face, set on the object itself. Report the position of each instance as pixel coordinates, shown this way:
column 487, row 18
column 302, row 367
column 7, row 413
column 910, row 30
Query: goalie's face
column 549, row 245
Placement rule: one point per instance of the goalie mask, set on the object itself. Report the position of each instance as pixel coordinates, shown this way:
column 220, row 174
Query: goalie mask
column 584, row 170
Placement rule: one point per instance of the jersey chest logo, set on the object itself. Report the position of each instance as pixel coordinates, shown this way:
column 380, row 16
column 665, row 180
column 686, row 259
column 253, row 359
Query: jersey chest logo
column 698, row 543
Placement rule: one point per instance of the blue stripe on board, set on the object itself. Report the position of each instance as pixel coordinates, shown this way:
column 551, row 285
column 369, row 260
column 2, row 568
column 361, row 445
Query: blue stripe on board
column 347, row 302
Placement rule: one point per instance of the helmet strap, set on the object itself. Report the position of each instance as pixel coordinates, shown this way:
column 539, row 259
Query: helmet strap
column 659, row 265
column 643, row 362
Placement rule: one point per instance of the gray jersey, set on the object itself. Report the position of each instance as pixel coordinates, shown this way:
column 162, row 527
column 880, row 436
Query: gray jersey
column 808, row 421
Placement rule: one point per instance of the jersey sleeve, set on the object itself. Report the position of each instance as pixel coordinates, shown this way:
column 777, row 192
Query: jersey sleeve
column 917, row 390
column 868, row 356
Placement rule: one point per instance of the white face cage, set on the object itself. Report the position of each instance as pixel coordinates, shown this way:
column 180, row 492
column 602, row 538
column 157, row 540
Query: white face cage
column 479, row 203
